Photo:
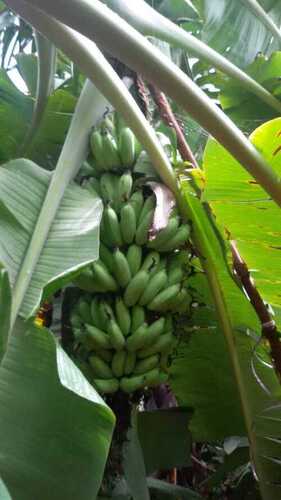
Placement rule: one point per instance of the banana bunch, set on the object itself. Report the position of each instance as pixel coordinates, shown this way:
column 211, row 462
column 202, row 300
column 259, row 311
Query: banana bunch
column 113, row 146
column 123, row 322
column 126, row 349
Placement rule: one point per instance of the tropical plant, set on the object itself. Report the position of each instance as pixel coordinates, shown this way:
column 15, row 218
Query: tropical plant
column 69, row 66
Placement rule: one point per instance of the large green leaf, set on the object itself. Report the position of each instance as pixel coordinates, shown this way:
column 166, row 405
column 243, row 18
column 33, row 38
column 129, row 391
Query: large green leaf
column 73, row 237
column 4, row 494
column 231, row 28
column 241, row 335
column 245, row 211
column 55, row 430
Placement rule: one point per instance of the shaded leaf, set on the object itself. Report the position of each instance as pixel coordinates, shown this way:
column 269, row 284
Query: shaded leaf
column 55, row 430
column 164, row 438
column 73, row 238
column 168, row 490
column 27, row 65
column 5, row 309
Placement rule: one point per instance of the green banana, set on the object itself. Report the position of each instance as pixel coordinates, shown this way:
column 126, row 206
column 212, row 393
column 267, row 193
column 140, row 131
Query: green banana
column 93, row 185
column 138, row 317
column 98, row 337
column 75, row 320
column 85, row 281
column 105, row 355
column 155, row 285
column 123, row 316
column 134, row 258
column 125, row 185
column 154, row 331
column 107, row 187
column 165, row 234
column 164, row 344
column 97, row 147
column 155, row 377
column 118, row 363
column 116, row 337
column 106, row 386
column 137, row 202
column 161, row 300
column 103, row 278
column 111, row 155
column 138, row 339
column 106, row 257
column 127, row 147
column 99, row 367
column 143, row 228
column 112, row 226
column 130, row 362
column 135, row 288
column 151, row 261
column 146, row 364
column 178, row 240
column 169, row 324
column 132, row 384
column 104, row 236
column 164, row 362
column 148, row 206
column 95, row 314
column 175, row 275
column 181, row 301
column 128, row 223
column 84, row 310
column 121, row 268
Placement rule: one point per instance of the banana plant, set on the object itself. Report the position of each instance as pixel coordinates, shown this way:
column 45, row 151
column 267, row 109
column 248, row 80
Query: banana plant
column 39, row 252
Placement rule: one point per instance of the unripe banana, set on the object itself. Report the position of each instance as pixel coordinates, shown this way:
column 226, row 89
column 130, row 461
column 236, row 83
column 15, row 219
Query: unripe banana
column 175, row 275
column 138, row 317
column 95, row 314
column 135, row 288
column 84, row 310
column 118, row 363
column 106, row 386
column 79, row 335
column 103, row 278
column 93, row 185
column 164, row 362
column 85, row 281
column 104, row 235
column 123, row 316
column 161, row 300
column 132, row 384
column 143, row 228
column 107, row 187
column 106, row 257
column 137, row 201
column 148, row 206
column 138, row 339
column 155, row 377
column 105, row 355
column 154, row 331
column 97, row 148
column 99, row 367
column 75, row 320
column 121, row 269
column 111, row 155
column 127, row 147
column 164, row 344
column 155, row 285
column 181, row 302
column 125, row 185
column 178, row 240
column 151, row 262
column 116, row 337
column 134, row 258
column 99, row 338
column 112, row 227
column 128, row 223
column 146, row 364
column 169, row 324
column 165, row 234
column 130, row 362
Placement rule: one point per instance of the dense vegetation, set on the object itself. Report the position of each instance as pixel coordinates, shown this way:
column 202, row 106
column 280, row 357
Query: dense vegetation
column 139, row 249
